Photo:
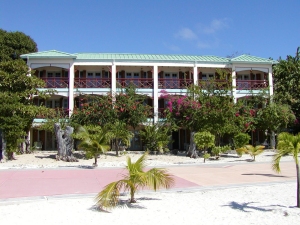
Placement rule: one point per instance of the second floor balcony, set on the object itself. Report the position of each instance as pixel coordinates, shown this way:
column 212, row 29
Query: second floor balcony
column 163, row 83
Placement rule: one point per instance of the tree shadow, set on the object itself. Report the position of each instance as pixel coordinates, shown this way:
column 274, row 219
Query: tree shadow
column 246, row 206
column 46, row 156
column 263, row 174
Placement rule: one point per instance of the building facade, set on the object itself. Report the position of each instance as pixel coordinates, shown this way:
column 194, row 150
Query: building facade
column 99, row 73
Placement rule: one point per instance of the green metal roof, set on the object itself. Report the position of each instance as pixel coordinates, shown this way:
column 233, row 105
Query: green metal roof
column 252, row 59
column 49, row 54
column 130, row 57
column 149, row 57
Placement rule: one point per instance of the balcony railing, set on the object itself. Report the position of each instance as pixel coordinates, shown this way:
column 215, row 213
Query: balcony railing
column 92, row 83
column 251, row 84
column 56, row 82
column 217, row 84
column 137, row 82
column 167, row 83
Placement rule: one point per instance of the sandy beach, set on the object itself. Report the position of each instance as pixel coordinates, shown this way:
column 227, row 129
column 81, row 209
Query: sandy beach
column 46, row 159
column 272, row 203
column 267, row 204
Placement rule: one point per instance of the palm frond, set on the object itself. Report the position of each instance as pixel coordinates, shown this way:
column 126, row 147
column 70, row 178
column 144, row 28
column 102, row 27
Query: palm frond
column 157, row 178
column 109, row 196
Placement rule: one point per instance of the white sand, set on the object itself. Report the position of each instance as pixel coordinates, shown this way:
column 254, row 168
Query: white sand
column 268, row 204
column 46, row 159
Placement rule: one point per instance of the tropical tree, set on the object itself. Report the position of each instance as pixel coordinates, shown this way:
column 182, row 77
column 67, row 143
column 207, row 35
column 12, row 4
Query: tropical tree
column 274, row 117
column 14, row 44
column 156, row 137
column 288, row 144
column 251, row 150
column 119, row 134
column 137, row 178
column 287, row 82
column 94, row 141
column 204, row 140
column 208, row 107
column 18, row 110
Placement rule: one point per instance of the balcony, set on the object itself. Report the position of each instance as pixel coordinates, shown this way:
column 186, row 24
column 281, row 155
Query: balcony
column 167, row 83
column 216, row 84
column 56, row 82
column 92, row 83
column 251, row 84
column 137, row 82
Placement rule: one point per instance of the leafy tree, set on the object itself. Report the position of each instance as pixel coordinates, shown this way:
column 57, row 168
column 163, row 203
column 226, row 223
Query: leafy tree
column 125, row 109
column 287, row 82
column 251, row 150
column 288, row 144
column 208, row 107
column 136, row 178
column 274, row 117
column 204, row 140
column 94, row 141
column 14, row 44
column 17, row 110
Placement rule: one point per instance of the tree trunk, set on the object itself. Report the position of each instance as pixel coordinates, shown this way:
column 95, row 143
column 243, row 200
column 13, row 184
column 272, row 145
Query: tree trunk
column 96, row 163
column 117, row 146
column 65, row 143
column 272, row 140
column 192, row 152
column 298, row 185
column 27, row 143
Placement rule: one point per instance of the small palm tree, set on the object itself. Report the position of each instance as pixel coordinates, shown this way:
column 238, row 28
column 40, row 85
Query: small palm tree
column 251, row 150
column 136, row 179
column 94, row 141
column 288, row 144
column 119, row 134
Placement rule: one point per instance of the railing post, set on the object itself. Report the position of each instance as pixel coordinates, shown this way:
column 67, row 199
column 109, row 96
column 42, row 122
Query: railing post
column 233, row 74
column 71, row 89
column 155, row 93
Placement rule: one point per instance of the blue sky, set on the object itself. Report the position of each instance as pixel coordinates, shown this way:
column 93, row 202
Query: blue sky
column 265, row 28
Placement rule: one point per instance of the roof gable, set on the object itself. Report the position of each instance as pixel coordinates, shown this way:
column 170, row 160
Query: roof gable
column 252, row 59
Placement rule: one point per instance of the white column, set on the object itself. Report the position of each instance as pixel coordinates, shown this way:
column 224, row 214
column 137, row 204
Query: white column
column 233, row 75
column 113, row 78
column 71, row 89
column 155, row 93
column 270, row 81
column 195, row 75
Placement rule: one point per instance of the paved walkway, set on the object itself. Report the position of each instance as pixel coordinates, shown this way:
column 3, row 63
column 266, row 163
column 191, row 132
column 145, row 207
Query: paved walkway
column 24, row 183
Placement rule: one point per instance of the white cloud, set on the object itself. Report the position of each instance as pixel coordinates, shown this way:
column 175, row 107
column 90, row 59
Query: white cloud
column 215, row 26
column 186, row 33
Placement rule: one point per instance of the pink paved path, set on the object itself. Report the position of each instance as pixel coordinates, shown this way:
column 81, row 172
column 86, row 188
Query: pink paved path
column 47, row 182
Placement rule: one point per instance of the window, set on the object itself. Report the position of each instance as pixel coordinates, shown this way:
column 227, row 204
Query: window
column 50, row 74
column 136, row 75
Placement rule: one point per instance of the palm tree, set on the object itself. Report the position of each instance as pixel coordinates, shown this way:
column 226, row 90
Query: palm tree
column 288, row 144
column 119, row 134
column 251, row 150
column 94, row 140
column 136, row 179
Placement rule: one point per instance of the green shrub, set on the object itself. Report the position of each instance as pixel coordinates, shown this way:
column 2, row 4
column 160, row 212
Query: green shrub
column 240, row 140
column 217, row 150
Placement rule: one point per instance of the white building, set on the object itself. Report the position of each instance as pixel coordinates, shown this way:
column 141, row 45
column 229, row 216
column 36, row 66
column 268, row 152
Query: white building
column 99, row 73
